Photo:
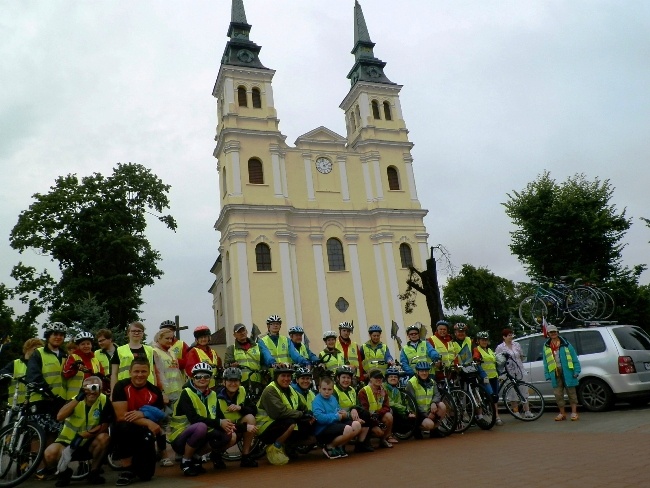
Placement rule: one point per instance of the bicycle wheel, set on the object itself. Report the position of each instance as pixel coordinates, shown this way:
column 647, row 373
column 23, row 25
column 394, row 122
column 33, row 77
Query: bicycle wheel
column 523, row 401
column 531, row 312
column 80, row 469
column 407, row 425
column 447, row 425
column 582, row 303
column 485, row 415
column 464, row 410
column 20, row 455
column 610, row 306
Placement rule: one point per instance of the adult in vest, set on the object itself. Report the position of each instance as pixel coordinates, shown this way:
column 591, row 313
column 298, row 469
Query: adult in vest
column 105, row 353
column 462, row 344
column 234, row 407
column 169, row 378
column 196, row 427
column 374, row 398
column 423, row 390
column 178, row 347
column 488, row 361
column 349, row 348
column 402, row 417
column 18, row 369
column 84, row 434
column 201, row 352
column 138, row 408
column 562, row 368
column 44, row 369
column 81, row 364
column 247, row 355
column 416, row 350
column 373, row 352
column 121, row 361
column 444, row 345
column 331, row 357
column 302, row 385
column 346, row 396
column 274, row 343
column 282, row 421
column 299, row 352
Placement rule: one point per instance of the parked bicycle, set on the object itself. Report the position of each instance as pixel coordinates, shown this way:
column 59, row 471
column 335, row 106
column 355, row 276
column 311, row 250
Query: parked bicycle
column 522, row 400
column 479, row 408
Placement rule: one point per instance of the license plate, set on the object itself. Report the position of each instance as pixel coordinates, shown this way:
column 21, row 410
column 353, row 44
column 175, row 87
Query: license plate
column 647, row 366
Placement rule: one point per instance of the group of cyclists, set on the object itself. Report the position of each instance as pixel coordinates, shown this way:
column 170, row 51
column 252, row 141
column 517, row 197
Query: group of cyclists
column 168, row 401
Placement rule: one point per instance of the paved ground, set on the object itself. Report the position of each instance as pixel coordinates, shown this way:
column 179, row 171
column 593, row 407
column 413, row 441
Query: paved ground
column 600, row 450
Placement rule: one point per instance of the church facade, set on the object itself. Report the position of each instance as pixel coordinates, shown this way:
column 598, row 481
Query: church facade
column 323, row 231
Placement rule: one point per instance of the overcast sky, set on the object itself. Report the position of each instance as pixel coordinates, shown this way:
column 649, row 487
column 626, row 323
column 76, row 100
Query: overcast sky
column 495, row 92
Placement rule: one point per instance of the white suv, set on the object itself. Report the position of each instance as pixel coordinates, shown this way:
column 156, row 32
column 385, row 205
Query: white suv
column 615, row 362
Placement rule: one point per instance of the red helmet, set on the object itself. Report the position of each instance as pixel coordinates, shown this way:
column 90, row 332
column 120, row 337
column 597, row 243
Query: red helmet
column 202, row 330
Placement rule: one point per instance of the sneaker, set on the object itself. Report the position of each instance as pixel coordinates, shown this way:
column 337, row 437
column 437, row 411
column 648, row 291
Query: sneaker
column 189, row 468
column 63, row 478
column 331, row 453
column 499, row 422
column 45, row 474
column 199, row 466
column 247, row 462
column 363, row 447
column 166, row 462
column 529, row 415
column 96, row 478
column 516, row 414
column 342, row 452
column 217, row 460
column 125, row 478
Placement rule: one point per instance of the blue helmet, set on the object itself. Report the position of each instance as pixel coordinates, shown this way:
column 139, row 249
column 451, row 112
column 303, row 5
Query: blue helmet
column 392, row 371
column 423, row 366
column 374, row 328
column 442, row 322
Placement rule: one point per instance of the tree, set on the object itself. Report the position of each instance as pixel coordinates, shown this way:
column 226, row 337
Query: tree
column 13, row 332
column 94, row 228
column 567, row 229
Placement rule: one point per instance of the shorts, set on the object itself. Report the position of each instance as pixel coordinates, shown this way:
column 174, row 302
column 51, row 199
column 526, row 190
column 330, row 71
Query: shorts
column 332, row 431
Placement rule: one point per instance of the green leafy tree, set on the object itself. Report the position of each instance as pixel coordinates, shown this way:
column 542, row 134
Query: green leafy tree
column 94, row 228
column 567, row 229
column 13, row 331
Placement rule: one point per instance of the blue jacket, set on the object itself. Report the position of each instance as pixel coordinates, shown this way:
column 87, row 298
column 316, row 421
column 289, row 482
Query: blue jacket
column 297, row 358
column 432, row 354
column 567, row 373
column 325, row 411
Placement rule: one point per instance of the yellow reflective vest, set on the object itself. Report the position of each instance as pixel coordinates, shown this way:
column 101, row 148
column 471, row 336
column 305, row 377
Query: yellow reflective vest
column 335, row 359
column 347, row 398
column 374, row 354
column 423, row 396
column 373, row 404
column 447, row 353
column 280, row 352
column 489, row 363
column 249, row 358
column 126, row 357
column 207, row 409
column 74, row 384
column 81, row 421
column 263, row 420
column 20, row 370
column 223, row 405
column 51, row 371
column 352, row 358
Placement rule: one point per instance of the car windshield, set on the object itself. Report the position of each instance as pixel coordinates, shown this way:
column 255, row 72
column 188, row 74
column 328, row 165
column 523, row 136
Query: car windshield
column 632, row 338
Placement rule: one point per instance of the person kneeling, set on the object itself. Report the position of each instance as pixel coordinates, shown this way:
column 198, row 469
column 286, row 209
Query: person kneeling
column 374, row 399
column 84, row 434
column 423, row 389
column 334, row 428
column 195, row 426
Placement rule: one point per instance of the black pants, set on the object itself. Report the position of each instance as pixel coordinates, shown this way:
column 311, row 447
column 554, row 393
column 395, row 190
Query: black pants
column 139, row 443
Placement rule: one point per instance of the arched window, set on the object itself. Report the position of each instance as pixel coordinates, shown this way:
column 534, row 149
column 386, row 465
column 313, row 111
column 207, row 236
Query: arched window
column 257, row 98
column 393, row 178
column 224, row 182
column 241, row 96
column 375, row 109
column 353, row 122
column 405, row 255
column 358, row 112
column 335, row 256
column 263, row 257
column 255, row 172
column 387, row 114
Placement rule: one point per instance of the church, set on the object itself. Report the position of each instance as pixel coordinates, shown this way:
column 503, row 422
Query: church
column 323, row 231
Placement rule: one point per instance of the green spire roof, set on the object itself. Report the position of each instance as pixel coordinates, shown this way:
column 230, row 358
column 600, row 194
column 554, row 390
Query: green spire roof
column 366, row 67
column 238, row 14
column 240, row 50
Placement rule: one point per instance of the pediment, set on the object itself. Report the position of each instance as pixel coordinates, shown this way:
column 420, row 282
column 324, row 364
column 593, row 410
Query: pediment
column 321, row 134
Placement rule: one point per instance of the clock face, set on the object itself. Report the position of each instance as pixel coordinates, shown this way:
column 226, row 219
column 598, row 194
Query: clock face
column 324, row 165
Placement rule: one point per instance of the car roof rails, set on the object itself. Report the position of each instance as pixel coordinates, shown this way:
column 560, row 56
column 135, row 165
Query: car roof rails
column 600, row 323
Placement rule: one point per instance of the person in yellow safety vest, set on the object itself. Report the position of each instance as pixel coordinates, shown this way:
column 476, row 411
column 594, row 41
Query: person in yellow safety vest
column 121, row 361
column 201, row 352
column 488, row 361
column 374, row 353
column 416, row 350
column 169, row 378
column 349, row 348
column 274, row 343
column 302, row 385
column 299, row 352
column 374, row 399
column 196, row 426
column 331, row 357
column 85, row 432
column 178, row 346
column 234, row 407
column 346, row 396
column 18, row 369
column 247, row 355
column 44, row 369
column 104, row 354
column 444, row 345
column 427, row 398
column 281, row 418
column 562, row 368
column 81, row 364
column 462, row 344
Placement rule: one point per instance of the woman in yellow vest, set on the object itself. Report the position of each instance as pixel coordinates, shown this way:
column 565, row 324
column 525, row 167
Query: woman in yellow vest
column 196, row 427
column 423, row 390
column 81, row 364
column 374, row 399
column 18, row 369
column 346, row 396
column 332, row 358
column 485, row 356
column 169, row 378
column 302, row 385
column 234, row 407
column 201, row 352
column 562, row 368
column 121, row 360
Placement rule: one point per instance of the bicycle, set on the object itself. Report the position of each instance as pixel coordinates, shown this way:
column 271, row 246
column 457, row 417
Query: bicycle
column 405, row 427
column 464, row 416
column 480, row 407
column 527, row 406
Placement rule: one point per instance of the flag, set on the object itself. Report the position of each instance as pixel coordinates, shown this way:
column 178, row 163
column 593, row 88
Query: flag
column 394, row 329
column 544, row 325
column 255, row 333
column 305, row 340
column 423, row 331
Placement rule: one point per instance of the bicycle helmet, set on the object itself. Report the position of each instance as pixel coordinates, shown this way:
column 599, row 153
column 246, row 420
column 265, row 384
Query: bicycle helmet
column 54, row 327
column 232, row 374
column 500, row 359
column 202, row 368
column 168, row 324
column 83, row 336
column 273, row 318
column 482, row 335
column 201, row 330
column 460, row 327
column 374, row 328
column 296, row 329
column 301, row 371
column 423, row 366
column 414, row 327
column 392, row 371
column 344, row 370
column 328, row 334
column 442, row 322
column 346, row 325
column 282, row 368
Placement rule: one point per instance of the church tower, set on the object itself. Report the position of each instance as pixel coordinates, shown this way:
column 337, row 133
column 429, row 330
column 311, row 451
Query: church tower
column 323, row 231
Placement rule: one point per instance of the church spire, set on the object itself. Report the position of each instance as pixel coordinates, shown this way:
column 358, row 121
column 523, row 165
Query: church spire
column 240, row 50
column 366, row 67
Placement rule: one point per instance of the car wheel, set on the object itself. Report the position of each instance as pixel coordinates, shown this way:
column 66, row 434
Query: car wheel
column 595, row 395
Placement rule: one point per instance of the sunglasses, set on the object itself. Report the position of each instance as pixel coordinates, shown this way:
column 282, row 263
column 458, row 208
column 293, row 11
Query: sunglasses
column 202, row 376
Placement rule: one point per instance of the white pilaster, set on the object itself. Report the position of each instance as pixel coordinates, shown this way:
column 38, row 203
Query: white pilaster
column 343, row 173
column 321, row 286
column 309, row 177
column 378, row 186
column 394, row 289
column 268, row 89
column 364, row 107
column 408, row 164
column 287, row 281
column 357, row 285
column 381, row 284
column 232, row 148
column 277, row 175
column 366, row 181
